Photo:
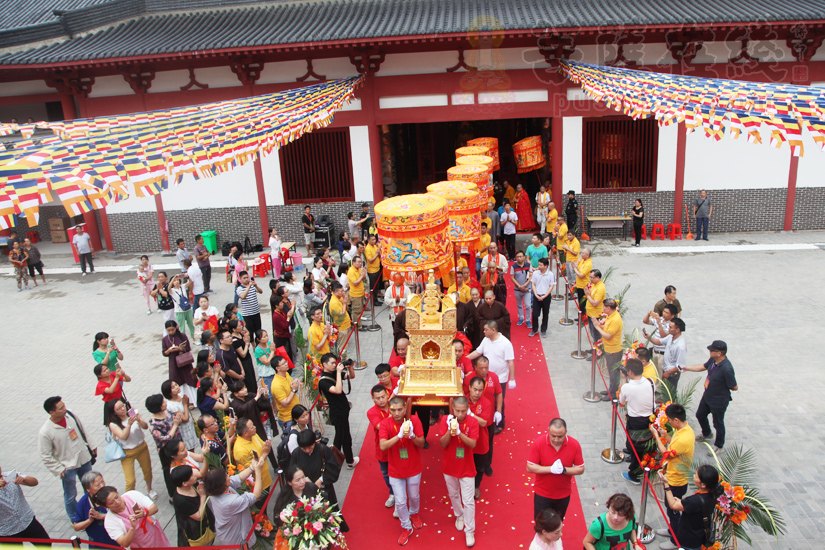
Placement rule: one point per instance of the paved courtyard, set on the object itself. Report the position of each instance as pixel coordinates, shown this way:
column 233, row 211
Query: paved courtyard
column 747, row 298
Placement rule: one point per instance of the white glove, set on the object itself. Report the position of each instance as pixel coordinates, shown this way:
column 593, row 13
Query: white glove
column 450, row 418
column 511, row 385
column 401, row 370
column 470, row 413
column 395, row 391
column 401, row 430
column 457, row 428
column 412, row 433
column 497, row 418
column 557, row 467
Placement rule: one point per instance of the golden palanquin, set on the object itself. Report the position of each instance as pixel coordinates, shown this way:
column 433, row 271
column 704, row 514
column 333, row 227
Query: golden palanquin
column 430, row 376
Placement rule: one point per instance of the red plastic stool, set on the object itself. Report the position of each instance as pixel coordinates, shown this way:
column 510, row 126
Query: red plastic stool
column 33, row 236
column 658, row 232
column 674, row 231
column 262, row 266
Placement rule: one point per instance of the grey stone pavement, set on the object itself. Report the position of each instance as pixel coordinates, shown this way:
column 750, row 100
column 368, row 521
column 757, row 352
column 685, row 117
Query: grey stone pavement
column 744, row 297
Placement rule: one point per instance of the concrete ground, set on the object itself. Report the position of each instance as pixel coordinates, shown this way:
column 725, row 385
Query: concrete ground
column 729, row 291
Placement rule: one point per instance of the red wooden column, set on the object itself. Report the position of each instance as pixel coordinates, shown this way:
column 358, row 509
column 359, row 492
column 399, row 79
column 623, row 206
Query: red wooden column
column 259, row 184
column 91, row 228
column 369, row 105
column 678, row 198
column 790, row 198
column 164, row 229
column 557, row 131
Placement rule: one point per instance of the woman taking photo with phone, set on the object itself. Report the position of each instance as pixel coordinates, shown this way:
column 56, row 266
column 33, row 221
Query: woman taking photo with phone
column 127, row 427
column 175, row 345
column 105, row 351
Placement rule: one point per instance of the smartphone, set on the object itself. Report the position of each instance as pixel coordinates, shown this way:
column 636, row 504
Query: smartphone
column 255, row 454
column 231, row 412
column 132, row 412
column 136, row 508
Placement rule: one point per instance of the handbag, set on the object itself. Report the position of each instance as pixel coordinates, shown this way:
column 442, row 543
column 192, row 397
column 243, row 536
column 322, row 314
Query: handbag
column 114, row 452
column 207, row 536
column 339, row 456
column 184, row 358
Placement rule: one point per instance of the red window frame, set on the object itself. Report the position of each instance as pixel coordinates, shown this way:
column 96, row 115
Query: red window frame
column 317, row 167
column 619, row 154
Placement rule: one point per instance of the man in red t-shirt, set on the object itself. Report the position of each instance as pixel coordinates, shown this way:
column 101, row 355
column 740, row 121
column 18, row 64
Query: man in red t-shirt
column 377, row 414
column 402, row 440
column 482, row 410
column 398, row 357
column 110, row 384
column 458, row 436
column 555, row 458
column 461, row 359
column 492, row 392
column 384, row 374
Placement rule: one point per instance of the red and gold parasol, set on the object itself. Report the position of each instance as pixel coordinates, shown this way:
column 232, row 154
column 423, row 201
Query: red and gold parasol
column 492, row 145
column 414, row 234
column 528, row 154
column 465, row 202
column 478, row 174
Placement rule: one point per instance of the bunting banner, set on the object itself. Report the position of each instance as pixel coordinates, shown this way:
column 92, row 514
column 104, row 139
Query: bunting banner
column 716, row 106
column 90, row 163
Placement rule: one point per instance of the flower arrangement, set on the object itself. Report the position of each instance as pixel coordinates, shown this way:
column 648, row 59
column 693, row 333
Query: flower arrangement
column 630, row 352
column 727, row 503
column 311, row 523
column 264, row 527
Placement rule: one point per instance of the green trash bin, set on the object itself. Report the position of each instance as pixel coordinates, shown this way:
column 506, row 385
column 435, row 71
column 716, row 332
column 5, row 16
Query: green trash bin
column 210, row 241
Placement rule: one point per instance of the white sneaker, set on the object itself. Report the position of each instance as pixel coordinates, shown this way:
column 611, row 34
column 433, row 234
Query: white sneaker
column 395, row 514
column 471, row 539
column 84, row 273
column 390, row 501
column 663, row 532
column 667, row 545
column 153, row 494
column 354, row 463
column 459, row 523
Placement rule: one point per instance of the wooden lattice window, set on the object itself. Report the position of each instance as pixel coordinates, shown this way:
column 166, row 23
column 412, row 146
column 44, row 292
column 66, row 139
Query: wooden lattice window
column 317, row 167
column 619, row 154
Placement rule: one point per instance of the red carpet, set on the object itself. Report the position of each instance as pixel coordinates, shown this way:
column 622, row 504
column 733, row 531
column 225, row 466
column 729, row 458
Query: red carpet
column 504, row 514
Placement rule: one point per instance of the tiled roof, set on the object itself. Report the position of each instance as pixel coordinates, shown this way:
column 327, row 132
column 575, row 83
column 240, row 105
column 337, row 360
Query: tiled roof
column 147, row 27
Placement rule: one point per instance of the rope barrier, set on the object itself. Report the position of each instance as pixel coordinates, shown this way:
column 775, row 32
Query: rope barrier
column 624, row 428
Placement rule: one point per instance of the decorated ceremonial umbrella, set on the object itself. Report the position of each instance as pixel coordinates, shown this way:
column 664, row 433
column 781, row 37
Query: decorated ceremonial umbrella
column 528, row 154
column 414, row 234
column 484, row 160
column 471, row 150
column 89, row 163
column 478, row 174
column 465, row 202
column 492, row 145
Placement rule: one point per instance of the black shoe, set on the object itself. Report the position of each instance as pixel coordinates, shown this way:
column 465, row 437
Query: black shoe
column 426, row 444
column 497, row 430
column 627, row 457
column 488, row 471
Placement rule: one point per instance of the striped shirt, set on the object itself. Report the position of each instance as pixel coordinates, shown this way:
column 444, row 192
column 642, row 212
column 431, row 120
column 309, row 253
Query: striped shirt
column 249, row 305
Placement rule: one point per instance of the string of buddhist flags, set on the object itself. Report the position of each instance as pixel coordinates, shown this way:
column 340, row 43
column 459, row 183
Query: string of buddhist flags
column 713, row 105
column 90, row 163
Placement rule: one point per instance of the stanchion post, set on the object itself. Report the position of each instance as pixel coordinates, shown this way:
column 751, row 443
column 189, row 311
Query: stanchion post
column 578, row 353
column 645, row 533
column 592, row 396
column 361, row 364
column 613, row 455
column 566, row 321
column 75, row 541
column 372, row 327
column 557, row 296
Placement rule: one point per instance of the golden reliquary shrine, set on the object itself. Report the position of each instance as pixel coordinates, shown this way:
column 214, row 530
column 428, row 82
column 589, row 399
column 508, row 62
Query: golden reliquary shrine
column 430, row 376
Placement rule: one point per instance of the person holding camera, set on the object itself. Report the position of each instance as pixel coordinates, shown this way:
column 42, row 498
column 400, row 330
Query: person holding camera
column 319, row 465
column 331, row 385
column 639, row 394
column 247, row 291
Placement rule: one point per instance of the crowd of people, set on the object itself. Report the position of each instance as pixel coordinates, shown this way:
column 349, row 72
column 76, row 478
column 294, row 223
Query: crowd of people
column 233, row 388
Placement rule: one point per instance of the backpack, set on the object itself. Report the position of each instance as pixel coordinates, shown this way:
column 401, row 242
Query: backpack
column 225, row 248
column 282, row 454
column 707, row 522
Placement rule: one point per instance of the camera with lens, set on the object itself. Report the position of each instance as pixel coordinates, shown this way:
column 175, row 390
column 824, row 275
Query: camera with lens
column 321, row 439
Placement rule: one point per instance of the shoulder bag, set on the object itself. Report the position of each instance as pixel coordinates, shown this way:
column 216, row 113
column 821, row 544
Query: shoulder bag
column 184, row 358
column 83, row 435
column 207, row 535
column 114, row 452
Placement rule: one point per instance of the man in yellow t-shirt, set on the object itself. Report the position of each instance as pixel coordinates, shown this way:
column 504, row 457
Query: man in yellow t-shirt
column 571, row 248
column 650, row 372
column 372, row 255
column 339, row 316
column 462, row 289
column 552, row 216
column 284, row 392
column 319, row 334
column 356, row 276
column 595, row 293
column 582, row 270
column 483, row 244
column 560, row 231
column 678, row 467
column 611, row 330
column 248, row 441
